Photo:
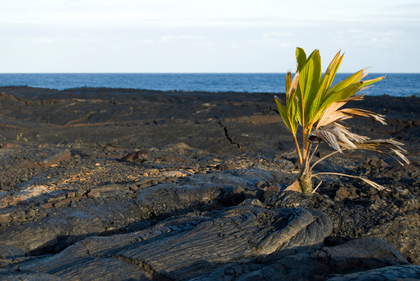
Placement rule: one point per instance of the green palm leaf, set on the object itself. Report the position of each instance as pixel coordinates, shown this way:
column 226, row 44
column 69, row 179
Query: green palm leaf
column 315, row 110
column 309, row 80
column 300, row 58
column 283, row 113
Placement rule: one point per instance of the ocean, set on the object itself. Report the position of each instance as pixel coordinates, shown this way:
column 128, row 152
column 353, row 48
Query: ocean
column 395, row 84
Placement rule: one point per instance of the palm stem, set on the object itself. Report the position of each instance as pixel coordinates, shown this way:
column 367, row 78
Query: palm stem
column 306, row 133
column 313, row 153
column 298, row 150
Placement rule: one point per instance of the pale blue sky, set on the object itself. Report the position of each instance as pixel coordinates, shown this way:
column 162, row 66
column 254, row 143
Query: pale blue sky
column 206, row 36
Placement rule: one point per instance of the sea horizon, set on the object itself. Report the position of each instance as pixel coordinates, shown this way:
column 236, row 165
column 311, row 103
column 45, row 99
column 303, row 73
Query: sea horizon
column 395, row 84
column 204, row 72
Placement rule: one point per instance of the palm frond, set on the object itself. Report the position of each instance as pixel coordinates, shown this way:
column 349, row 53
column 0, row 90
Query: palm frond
column 337, row 136
column 371, row 183
column 327, row 136
column 389, row 147
column 331, row 115
column 353, row 112
column 334, row 114
column 351, row 136
column 349, row 80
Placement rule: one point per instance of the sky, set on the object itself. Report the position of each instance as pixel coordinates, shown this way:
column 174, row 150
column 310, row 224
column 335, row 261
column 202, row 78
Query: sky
column 223, row 36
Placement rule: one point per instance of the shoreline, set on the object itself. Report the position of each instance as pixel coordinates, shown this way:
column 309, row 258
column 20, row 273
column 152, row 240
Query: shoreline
column 125, row 90
column 396, row 84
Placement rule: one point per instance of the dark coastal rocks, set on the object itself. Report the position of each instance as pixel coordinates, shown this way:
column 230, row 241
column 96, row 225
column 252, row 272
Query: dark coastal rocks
column 190, row 246
column 31, row 277
column 209, row 201
column 56, row 232
column 317, row 265
column 364, row 253
column 391, row 273
column 363, row 218
column 19, row 164
column 55, row 158
column 137, row 156
column 205, row 247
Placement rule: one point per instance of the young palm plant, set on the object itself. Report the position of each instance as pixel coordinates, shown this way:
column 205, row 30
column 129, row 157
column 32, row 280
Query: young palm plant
column 314, row 107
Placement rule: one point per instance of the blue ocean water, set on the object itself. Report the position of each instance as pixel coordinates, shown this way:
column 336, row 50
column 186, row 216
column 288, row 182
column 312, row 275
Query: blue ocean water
column 395, row 84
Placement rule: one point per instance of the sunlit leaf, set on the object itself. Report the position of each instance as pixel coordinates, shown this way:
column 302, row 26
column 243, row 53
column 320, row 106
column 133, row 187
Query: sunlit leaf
column 283, row 113
column 329, row 75
column 342, row 94
column 300, row 58
column 309, row 80
column 356, row 77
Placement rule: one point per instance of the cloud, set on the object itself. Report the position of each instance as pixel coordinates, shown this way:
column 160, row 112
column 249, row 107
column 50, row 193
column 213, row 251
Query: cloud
column 277, row 34
column 388, row 37
column 277, row 39
column 169, row 38
column 43, row 40
column 285, row 45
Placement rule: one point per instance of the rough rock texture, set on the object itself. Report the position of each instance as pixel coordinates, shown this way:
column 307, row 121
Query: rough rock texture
column 206, row 199
column 390, row 273
column 181, row 248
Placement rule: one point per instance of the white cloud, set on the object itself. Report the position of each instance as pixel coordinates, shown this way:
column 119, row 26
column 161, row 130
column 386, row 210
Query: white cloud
column 285, row 45
column 43, row 40
column 277, row 34
column 169, row 38
column 388, row 38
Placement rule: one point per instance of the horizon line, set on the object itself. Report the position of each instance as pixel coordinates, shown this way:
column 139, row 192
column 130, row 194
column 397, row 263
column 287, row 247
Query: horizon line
column 381, row 72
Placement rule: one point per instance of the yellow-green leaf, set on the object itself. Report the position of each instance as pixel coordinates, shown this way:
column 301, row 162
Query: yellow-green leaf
column 309, row 80
column 326, row 82
column 356, row 77
column 342, row 94
column 283, row 113
column 293, row 112
column 300, row 58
